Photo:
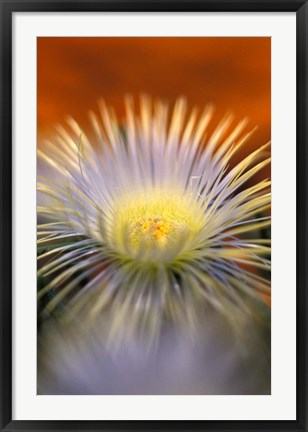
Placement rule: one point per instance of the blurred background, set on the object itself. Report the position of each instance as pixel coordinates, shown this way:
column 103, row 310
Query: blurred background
column 233, row 74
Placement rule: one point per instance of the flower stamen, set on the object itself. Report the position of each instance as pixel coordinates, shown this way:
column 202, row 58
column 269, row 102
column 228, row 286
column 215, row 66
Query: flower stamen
column 152, row 230
column 154, row 221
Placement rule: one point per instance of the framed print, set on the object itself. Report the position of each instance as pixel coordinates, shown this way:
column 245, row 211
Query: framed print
column 153, row 259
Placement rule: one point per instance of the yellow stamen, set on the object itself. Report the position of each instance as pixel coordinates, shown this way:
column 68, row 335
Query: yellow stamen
column 153, row 219
column 151, row 229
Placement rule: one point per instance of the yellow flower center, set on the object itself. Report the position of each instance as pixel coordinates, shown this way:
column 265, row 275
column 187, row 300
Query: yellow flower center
column 152, row 222
column 151, row 230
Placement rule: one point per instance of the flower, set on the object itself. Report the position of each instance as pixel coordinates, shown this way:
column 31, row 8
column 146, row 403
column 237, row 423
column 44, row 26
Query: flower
column 148, row 220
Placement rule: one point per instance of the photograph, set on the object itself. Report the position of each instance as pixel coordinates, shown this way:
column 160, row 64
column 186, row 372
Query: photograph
column 153, row 215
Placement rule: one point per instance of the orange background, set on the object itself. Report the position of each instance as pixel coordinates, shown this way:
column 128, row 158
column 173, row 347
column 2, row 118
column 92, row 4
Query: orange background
column 232, row 73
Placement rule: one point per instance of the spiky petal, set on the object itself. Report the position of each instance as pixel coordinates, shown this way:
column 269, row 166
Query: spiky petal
column 150, row 220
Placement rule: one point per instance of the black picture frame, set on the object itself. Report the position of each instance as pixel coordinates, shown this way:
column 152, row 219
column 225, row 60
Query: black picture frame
column 8, row 7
